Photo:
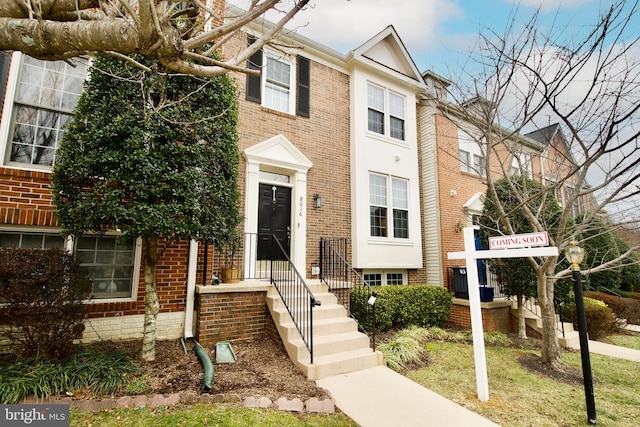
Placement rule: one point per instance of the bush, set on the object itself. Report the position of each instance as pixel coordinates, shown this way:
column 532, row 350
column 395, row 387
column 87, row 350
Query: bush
column 623, row 308
column 402, row 306
column 42, row 292
column 599, row 317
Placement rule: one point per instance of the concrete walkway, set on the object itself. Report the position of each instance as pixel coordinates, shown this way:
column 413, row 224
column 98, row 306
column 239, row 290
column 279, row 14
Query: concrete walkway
column 611, row 350
column 381, row 397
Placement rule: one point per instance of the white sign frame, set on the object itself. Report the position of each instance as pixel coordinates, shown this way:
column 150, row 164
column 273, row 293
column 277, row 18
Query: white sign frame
column 471, row 255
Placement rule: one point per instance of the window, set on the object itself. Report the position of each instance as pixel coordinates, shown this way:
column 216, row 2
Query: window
column 373, row 279
column 46, row 95
column 283, row 84
column 31, row 240
column 110, row 261
column 379, row 195
column 377, row 112
column 470, row 154
column 521, row 165
column 277, row 85
column 378, row 205
column 569, row 192
column 384, row 278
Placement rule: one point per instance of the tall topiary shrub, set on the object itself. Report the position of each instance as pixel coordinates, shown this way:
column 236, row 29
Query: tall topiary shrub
column 42, row 294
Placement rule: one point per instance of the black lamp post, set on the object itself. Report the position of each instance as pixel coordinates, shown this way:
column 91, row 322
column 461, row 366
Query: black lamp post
column 575, row 255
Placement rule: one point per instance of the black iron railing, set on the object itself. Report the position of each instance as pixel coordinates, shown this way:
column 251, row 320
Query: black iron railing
column 341, row 278
column 263, row 257
column 295, row 294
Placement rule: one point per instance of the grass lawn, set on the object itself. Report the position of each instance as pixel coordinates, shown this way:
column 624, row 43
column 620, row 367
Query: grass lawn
column 521, row 398
column 624, row 340
column 218, row 415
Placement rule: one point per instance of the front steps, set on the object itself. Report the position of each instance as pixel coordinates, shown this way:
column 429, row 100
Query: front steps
column 533, row 320
column 338, row 346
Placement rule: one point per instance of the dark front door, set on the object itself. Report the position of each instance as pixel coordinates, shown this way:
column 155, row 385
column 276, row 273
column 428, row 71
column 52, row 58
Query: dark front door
column 274, row 218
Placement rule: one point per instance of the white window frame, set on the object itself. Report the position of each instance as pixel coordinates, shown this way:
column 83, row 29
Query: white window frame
column 384, row 276
column 390, row 205
column 389, row 110
column 7, row 128
column 521, row 163
column 137, row 255
column 470, row 155
column 267, row 86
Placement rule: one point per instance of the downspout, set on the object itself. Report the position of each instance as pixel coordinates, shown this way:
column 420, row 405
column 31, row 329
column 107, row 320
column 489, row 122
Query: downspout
column 191, row 289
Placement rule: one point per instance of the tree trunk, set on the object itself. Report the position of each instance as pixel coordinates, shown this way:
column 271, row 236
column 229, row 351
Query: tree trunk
column 522, row 324
column 151, row 305
column 550, row 345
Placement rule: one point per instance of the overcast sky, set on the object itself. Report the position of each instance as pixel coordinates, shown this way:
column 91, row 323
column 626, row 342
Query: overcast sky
column 438, row 33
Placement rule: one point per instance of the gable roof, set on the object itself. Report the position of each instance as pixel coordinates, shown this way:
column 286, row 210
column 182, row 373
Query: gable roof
column 546, row 135
column 386, row 50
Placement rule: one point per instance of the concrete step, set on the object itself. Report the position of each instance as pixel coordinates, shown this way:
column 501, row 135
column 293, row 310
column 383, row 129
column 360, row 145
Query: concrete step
column 321, row 327
column 341, row 363
column 338, row 347
column 570, row 339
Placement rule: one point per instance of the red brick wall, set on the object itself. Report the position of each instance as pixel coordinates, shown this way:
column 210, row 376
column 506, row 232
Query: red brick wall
column 324, row 138
column 25, row 198
column 493, row 319
column 232, row 316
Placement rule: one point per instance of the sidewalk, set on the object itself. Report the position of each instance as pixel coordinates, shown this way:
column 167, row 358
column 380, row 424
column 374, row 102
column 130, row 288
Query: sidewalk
column 381, row 397
column 611, row 350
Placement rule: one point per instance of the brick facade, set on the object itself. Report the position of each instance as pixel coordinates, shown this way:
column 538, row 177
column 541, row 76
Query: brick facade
column 496, row 316
column 232, row 315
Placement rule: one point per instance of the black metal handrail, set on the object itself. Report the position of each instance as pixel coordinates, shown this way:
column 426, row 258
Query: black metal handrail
column 295, row 294
column 262, row 256
column 530, row 302
column 340, row 277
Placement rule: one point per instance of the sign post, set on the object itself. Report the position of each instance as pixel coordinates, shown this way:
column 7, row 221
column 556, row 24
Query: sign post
column 507, row 248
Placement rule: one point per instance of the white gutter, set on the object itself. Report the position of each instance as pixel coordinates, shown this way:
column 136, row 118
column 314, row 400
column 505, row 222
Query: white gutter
column 191, row 289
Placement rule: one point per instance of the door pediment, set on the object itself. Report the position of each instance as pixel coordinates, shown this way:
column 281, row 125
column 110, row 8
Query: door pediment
column 280, row 152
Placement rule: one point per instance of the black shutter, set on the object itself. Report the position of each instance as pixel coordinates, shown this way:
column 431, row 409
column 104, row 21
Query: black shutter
column 302, row 105
column 254, row 83
column 4, row 68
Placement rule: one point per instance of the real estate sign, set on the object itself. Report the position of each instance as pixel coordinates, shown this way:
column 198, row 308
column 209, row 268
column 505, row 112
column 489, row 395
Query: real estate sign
column 519, row 241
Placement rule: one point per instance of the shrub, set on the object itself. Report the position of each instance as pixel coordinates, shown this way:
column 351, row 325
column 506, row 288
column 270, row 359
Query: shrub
column 403, row 306
column 42, row 292
column 599, row 317
column 623, row 308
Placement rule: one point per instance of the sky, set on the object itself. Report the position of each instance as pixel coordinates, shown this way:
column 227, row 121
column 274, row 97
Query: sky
column 439, row 34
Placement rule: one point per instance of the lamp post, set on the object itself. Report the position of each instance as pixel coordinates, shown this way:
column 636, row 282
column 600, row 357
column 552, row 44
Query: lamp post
column 575, row 255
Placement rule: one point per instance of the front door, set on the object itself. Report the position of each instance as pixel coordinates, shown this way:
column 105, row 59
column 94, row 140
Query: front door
column 274, row 218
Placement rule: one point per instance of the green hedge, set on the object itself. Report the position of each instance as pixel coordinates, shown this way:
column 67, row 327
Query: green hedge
column 402, row 306
column 624, row 308
column 599, row 317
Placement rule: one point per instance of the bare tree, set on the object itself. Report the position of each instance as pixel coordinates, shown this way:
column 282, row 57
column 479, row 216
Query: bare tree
column 179, row 34
column 589, row 87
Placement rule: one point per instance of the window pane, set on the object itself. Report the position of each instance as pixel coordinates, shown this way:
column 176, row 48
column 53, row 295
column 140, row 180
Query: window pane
column 278, row 72
column 375, row 98
column 465, row 158
column 276, row 97
column 377, row 190
column 378, row 218
column 396, row 105
column 400, row 193
column 9, row 240
column 110, row 261
column 400, row 224
column 397, row 128
column 373, row 279
column 375, row 121
column 31, row 240
column 46, row 89
column 478, row 165
column 395, row 278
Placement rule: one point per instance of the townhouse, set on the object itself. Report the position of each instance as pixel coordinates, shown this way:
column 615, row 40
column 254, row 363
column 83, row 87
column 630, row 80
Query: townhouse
column 348, row 146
